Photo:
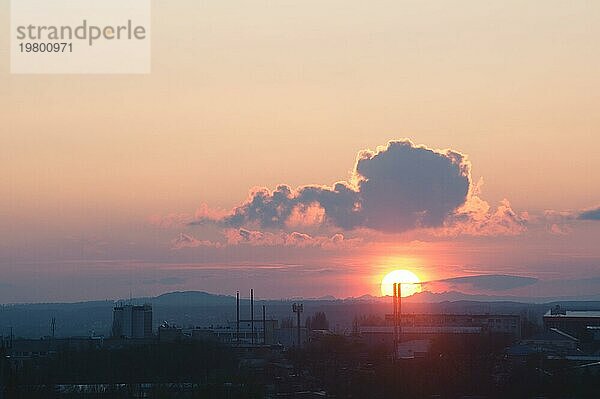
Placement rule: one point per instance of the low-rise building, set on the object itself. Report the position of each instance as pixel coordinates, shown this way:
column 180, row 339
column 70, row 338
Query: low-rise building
column 552, row 340
column 258, row 332
column 426, row 326
column 574, row 322
column 491, row 323
column 384, row 335
column 169, row 333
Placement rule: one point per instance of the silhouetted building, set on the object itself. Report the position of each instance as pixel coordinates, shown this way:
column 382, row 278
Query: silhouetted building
column 169, row 333
column 384, row 335
column 425, row 326
column 23, row 349
column 491, row 323
column 574, row 322
column 415, row 349
column 132, row 321
column 552, row 340
column 594, row 332
column 264, row 333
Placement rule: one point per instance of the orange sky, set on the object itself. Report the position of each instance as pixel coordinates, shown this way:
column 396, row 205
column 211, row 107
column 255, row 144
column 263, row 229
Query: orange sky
column 247, row 94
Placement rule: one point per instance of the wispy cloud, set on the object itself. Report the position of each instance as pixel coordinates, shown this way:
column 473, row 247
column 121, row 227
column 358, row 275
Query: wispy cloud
column 242, row 236
column 477, row 218
column 188, row 241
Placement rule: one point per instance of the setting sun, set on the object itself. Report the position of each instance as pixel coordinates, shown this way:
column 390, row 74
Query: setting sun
column 408, row 279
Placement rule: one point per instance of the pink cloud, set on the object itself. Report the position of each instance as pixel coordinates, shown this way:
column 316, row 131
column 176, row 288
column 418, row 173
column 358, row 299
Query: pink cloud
column 294, row 239
column 234, row 237
column 478, row 218
column 187, row 241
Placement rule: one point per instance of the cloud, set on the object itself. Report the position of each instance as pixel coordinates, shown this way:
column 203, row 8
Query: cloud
column 294, row 239
column 493, row 282
column 174, row 220
column 590, row 214
column 257, row 238
column 396, row 188
column 477, row 218
column 187, row 241
column 560, row 222
column 559, row 230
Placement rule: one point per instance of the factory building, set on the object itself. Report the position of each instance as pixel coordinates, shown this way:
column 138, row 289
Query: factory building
column 498, row 324
column 574, row 322
column 261, row 332
column 415, row 327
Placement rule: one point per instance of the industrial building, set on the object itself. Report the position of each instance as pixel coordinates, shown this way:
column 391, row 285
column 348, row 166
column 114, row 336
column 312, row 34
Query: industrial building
column 419, row 326
column 254, row 331
column 259, row 332
column 384, row 335
column 425, row 326
column 400, row 327
column 132, row 321
column 574, row 322
column 466, row 323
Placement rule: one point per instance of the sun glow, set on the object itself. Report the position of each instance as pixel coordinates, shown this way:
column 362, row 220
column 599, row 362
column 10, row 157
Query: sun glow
column 408, row 279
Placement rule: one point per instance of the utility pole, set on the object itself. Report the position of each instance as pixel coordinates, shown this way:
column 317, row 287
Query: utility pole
column 264, row 326
column 298, row 308
column 252, row 314
column 237, row 332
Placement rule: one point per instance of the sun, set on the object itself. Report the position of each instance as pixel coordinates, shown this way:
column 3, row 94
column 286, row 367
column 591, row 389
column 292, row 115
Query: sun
column 408, row 279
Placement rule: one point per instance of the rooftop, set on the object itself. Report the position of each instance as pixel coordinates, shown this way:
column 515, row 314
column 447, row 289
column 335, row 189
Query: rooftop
column 574, row 313
column 421, row 330
column 554, row 334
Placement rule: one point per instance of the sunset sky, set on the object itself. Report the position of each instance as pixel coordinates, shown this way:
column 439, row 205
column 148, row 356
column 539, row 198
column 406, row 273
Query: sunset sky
column 257, row 154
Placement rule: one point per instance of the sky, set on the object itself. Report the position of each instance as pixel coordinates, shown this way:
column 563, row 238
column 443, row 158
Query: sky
column 307, row 149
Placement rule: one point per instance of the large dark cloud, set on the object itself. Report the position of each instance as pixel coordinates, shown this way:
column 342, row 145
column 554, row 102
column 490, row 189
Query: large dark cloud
column 398, row 187
column 590, row 214
column 403, row 186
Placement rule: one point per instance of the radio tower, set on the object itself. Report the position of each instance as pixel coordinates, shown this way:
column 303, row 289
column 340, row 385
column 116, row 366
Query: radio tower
column 298, row 308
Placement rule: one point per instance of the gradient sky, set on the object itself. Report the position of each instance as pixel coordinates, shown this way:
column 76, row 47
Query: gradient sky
column 100, row 175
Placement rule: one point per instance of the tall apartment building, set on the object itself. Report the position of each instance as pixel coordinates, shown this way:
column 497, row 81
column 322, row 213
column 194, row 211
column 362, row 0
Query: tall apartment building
column 132, row 321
